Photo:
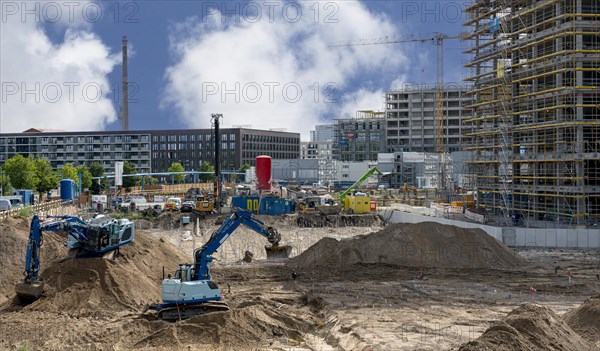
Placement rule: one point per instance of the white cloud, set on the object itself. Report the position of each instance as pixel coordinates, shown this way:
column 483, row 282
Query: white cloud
column 54, row 86
column 216, row 63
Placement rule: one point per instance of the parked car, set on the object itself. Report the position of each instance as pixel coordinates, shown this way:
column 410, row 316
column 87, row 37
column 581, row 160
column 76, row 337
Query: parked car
column 5, row 205
column 188, row 206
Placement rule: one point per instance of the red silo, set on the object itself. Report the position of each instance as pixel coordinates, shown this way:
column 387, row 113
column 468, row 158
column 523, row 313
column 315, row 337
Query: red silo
column 263, row 172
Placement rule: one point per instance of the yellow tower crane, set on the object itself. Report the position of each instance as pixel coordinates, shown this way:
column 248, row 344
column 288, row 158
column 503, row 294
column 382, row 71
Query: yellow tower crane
column 438, row 40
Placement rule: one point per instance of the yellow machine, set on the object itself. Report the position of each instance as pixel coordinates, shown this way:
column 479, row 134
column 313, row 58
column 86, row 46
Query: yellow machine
column 357, row 204
column 204, row 203
column 173, row 204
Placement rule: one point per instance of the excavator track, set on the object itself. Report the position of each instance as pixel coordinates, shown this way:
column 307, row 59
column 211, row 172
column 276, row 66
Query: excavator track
column 176, row 313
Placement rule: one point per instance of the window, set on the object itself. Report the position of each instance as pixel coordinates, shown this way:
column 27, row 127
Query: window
column 193, row 137
column 118, row 139
column 163, row 138
column 106, row 139
column 172, row 137
column 231, row 137
column 224, row 137
column 106, row 147
column 155, row 138
column 232, row 146
column 183, row 137
column 224, row 146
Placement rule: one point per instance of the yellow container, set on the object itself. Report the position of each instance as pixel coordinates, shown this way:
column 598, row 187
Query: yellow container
column 357, row 204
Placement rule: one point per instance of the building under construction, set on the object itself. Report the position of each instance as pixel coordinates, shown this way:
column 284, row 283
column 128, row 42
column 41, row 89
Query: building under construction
column 535, row 130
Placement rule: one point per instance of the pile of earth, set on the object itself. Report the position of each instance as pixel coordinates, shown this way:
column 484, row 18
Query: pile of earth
column 83, row 286
column 585, row 319
column 14, row 234
column 529, row 327
column 129, row 282
column 412, row 245
column 258, row 322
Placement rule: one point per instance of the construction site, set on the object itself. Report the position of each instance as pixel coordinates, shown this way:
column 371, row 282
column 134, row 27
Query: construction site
column 461, row 218
column 534, row 128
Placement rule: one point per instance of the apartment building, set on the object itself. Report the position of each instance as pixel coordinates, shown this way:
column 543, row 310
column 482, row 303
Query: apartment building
column 410, row 118
column 361, row 138
column 150, row 150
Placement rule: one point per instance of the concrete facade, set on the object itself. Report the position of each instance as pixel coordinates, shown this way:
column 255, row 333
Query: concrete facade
column 361, row 138
column 410, row 118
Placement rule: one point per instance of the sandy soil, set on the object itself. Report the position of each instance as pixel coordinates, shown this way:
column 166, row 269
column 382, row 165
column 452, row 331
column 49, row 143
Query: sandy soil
column 363, row 306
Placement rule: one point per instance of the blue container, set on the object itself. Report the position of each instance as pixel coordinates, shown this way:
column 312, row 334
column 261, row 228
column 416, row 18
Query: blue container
column 68, row 189
column 274, row 206
column 248, row 203
column 27, row 195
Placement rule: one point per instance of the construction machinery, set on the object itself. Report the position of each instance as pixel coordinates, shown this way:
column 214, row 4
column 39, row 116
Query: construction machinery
column 205, row 203
column 191, row 291
column 96, row 237
column 356, row 184
column 173, row 204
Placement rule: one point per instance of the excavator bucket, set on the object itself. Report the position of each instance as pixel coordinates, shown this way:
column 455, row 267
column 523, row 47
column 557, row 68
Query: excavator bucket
column 277, row 252
column 29, row 291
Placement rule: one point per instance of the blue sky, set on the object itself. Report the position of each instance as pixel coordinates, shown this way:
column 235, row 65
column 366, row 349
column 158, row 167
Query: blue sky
column 186, row 54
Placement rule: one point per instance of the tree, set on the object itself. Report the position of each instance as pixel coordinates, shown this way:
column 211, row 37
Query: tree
column 97, row 170
column 177, row 167
column 207, row 167
column 245, row 167
column 69, row 172
column 128, row 182
column 47, row 177
column 5, row 185
column 86, row 177
column 21, row 172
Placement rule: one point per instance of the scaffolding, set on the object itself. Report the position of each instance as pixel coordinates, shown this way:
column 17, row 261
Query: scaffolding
column 535, row 129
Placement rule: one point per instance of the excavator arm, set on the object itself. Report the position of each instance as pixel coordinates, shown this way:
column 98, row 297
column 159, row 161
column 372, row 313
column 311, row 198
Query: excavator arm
column 359, row 182
column 203, row 255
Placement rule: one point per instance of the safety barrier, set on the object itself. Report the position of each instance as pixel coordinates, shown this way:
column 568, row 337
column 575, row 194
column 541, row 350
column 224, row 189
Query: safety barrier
column 50, row 208
column 476, row 217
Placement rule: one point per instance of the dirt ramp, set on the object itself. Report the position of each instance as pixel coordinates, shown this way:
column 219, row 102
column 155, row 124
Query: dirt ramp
column 585, row 319
column 529, row 328
column 414, row 245
column 86, row 286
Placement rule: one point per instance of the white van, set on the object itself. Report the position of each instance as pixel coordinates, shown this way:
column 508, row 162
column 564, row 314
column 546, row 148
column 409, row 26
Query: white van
column 5, row 205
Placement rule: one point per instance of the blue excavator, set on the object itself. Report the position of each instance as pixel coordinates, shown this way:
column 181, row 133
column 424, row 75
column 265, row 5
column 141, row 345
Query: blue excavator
column 97, row 237
column 191, row 291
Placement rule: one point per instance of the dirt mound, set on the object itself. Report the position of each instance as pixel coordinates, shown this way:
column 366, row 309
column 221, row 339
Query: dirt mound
column 14, row 234
column 529, row 327
column 585, row 319
column 424, row 244
column 85, row 286
column 252, row 323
